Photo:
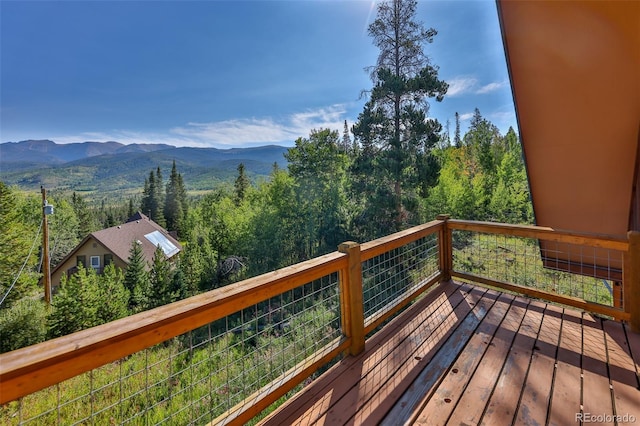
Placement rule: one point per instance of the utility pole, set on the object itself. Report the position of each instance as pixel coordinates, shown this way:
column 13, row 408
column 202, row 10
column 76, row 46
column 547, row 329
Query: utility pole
column 46, row 209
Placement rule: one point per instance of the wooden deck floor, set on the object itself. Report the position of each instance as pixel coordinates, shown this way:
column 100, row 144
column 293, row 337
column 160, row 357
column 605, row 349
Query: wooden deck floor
column 464, row 355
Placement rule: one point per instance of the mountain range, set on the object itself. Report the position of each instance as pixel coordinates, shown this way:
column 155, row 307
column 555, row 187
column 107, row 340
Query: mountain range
column 113, row 166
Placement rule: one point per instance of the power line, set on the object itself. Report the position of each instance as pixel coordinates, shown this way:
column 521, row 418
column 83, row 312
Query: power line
column 23, row 265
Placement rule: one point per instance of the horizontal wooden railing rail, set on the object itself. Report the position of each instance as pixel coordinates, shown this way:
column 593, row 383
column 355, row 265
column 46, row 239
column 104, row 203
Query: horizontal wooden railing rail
column 542, row 233
column 376, row 247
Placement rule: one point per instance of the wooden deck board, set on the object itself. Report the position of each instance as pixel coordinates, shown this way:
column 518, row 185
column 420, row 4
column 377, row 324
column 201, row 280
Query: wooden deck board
column 596, row 396
column 467, row 355
column 567, row 384
column 624, row 383
column 536, row 394
column 503, row 404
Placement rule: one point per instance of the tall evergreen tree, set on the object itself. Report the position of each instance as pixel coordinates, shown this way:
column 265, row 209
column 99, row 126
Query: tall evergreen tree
column 86, row 223
column 241, row 185
column 113, row 296
column 160, row 279
column 482, row 137
column 457, row 142
column 395, row 117
column 152, row 203
column 446, row 140
column 136, row 279
column 175, row 202
column 346, row 139
column 147, row 204
column 130, row 209
column 75, row 307
column 159, row 199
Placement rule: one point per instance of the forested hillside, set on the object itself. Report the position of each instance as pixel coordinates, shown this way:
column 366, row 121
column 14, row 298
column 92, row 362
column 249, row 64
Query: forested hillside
column 109, row 170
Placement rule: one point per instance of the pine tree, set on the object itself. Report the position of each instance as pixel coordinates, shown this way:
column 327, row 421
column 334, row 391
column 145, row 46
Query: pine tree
column 457, row 142
column 113, row 295
column 446, row 140
column 159, row 196
column 147, row 204
column 395, row 117
column 160, row 280
column 241, row 185
column 86, row 223
column 346, row 139
column 75, row 307
column 136, row 279
column 175, row 201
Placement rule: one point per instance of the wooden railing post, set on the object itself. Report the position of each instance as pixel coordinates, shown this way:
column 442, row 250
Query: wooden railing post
column 351, row 297
column 632, row 280
column 446, row 251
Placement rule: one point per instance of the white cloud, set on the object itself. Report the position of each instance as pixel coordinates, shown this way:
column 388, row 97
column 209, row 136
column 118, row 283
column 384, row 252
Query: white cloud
column 466, row 116
column 461, row 86
column 491, row 87
column 254, row 131
column 503, row 116
column 228, row 133
column 465, row 85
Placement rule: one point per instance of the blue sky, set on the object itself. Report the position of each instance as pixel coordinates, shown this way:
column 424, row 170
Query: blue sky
column 223, row 73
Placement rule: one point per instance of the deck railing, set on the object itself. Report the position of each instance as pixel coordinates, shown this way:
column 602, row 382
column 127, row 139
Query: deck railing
column 225, row 356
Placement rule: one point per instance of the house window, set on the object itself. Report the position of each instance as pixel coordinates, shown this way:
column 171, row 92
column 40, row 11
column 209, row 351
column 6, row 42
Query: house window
column 95, row 262
column 108, row 259
column 81, row 260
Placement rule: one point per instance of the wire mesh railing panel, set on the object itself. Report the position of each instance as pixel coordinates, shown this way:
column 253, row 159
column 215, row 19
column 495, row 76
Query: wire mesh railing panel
column 197, row 376
column 589, row 273
column 388, row 278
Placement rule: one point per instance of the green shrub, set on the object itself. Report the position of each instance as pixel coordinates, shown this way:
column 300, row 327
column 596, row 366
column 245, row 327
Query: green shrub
column 23, row 324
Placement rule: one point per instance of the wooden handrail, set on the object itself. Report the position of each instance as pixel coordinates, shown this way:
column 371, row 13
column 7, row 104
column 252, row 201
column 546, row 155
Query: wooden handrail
column 36, row 367
column 387, row 243
column 542, row 233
